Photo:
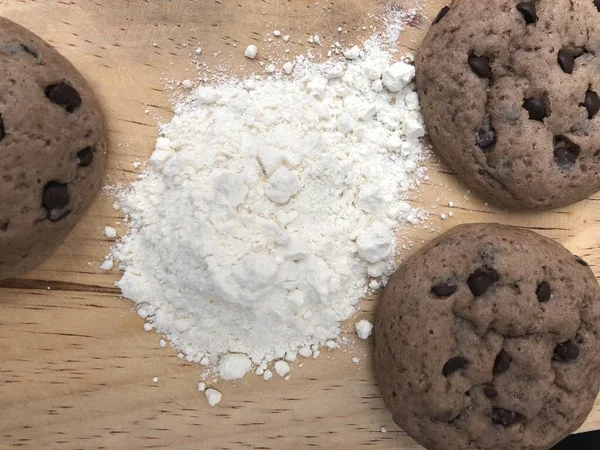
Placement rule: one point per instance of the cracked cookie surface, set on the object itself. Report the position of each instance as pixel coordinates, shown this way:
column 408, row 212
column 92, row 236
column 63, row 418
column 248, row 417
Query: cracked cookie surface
column 510, row 93
column 52, row 148
column 488, row 338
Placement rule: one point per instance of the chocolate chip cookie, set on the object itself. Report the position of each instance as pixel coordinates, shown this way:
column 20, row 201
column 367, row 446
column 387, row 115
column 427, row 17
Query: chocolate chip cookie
column 52, row 148
column 488, row 338
column 510, row 93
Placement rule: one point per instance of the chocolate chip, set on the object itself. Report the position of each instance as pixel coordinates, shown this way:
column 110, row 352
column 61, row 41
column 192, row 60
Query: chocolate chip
column 543, row 292
column 502, row 363
column 581, row 261
column 454, row 364
column 597, row 4
column 85, row 156
column 56, row 197
column 486, row 138
column 566, row 352
column 481, row 280
column 591, row 103
column 441, row 14
column 566, row 60
column 565, row 152
column 505, row 417
column 536, row 108
column 480, row 65
column 444, row 289
column 490, row 392
column 64, row 95
column 2, row 130
column 528, row 11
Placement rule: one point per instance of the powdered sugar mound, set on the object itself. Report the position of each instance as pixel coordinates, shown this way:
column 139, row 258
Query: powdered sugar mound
column 270, row 207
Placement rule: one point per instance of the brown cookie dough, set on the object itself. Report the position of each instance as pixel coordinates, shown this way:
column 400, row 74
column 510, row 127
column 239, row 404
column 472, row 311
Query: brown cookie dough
column 488, row 338
column 52, row 148
column 510, row 95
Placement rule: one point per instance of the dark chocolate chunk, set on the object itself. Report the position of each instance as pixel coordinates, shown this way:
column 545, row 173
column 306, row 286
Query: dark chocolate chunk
column 486, row 138
column 565, row 152
column 480, row 65
column 2, row 130
column 64, row 95
column 490, row 392
column 543, row 292
column 85, row 156
column 536, row 108
column 566, row 60
column 56, row 197
column 597, row 4
column 528, row 11
column 566, row 352
column 505, row 417
column 454, row 364
column 481, row 280
column 444, row 289
column 502, row 363
column 591, row 103
column 441, row 14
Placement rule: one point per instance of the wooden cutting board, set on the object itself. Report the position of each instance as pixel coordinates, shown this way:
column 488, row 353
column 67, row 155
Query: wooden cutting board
column 76, row 367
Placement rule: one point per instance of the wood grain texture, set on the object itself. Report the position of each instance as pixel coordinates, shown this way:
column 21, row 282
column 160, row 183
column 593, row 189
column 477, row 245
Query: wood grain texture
column 76, row 367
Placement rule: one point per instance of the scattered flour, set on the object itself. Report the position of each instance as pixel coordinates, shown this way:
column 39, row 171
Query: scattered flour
column 270, row 207
column 363, row 328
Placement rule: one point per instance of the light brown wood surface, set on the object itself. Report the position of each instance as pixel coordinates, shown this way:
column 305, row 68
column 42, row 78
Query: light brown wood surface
column 76, row 367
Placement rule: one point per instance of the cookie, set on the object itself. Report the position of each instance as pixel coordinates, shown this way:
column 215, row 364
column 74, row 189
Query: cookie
column 52, row 148
column 489, row 338
column 510, row 95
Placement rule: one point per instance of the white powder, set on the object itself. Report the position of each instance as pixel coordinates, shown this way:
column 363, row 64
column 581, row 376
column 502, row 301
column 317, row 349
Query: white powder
column 213, row 396
column 269, row 208
column 201, row 386
column 155, row 380
column 363, row 328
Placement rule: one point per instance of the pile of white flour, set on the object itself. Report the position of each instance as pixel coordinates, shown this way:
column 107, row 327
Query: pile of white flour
column 271, row 207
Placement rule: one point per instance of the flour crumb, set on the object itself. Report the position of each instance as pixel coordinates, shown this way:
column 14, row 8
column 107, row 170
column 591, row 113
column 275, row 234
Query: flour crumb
column 384, row 430
column 162, row 343
column 267, row 375
column 155, row 380
column 201, row 386
column 356, row 360
column 282, row 368
column 251, row 51
column 107, row 264
column 213, row 396
column 110, row 232
column 276, row 33
column 352, row 53
column 234, row 366
column 363, row 328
